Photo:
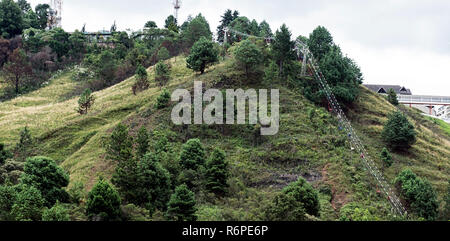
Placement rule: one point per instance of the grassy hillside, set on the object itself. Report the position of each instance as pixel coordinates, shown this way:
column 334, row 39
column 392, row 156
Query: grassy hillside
column 309, row 143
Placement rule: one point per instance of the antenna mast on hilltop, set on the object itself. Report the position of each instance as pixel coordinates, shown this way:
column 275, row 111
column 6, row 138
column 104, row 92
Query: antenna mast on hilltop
column 55, row 17
column 176, row 6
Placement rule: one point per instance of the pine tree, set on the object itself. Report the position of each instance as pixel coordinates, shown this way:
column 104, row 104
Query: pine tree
column 142, row 142
column 386, row 157
column 141, row 80
column 163, row 100
column 162, row 74
column 193, row 155
column 85, row 102
column 320, row 42
column 392, row 97
column 125, row 178
column 217, row 173
column 283, row 48
column 227, row 18
column 181, row 206
column 163, row 54
column 154, row 183
column 398, row 132
column 120, row 145
column 120, row 150
column 197, row 28
column 103, row 202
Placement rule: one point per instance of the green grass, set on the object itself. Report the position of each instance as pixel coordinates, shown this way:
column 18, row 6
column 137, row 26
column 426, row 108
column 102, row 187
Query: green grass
column 442, row 124
column 313, row 148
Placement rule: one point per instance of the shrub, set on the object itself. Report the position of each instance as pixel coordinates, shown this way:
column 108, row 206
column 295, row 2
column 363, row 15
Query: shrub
column 28, row 204
column 285, row 207
column 248, row 57
column 386, row 157
column 162, row 75
column 398, row 132
column 353, row 212
column 57, row 213
column 141, row 80
column 217, row 173
column 103, row 202
column 163, row 54
column 163, row 100
column 8, row 196
column 418, row 194
column 304, row 193
column 181, row 206
column 48, row 178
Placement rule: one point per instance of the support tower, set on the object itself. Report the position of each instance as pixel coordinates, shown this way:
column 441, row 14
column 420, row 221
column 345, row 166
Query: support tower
column 55, row 17
column 176, row 6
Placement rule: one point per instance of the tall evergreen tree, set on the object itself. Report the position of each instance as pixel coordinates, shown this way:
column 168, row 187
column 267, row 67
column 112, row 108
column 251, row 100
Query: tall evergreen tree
column 142, row 142
column 181, row 206
column 197, row 28
column 226, row 20
column 170, row 20
column 154, row 183
column 120, row 145
column 392, row 97
column 265, row 30
column 283, row 48
column 217, row 173
column 43, row 12
column 320, row 42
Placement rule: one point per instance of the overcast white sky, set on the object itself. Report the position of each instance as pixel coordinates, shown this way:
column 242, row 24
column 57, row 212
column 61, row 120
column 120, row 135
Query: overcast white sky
column 404, row 42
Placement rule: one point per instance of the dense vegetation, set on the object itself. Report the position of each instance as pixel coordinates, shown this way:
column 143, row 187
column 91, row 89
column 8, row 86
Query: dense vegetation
column 108, row 128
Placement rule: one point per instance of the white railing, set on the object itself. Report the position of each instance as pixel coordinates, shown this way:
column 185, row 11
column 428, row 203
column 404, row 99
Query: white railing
column 424, row 99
